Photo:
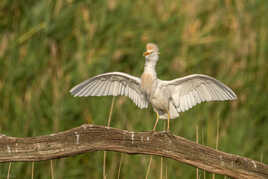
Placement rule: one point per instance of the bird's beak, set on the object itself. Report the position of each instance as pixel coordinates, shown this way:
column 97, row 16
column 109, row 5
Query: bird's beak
column 146, row 53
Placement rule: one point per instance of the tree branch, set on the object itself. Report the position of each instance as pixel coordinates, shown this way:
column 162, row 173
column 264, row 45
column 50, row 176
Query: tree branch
column 89, row 138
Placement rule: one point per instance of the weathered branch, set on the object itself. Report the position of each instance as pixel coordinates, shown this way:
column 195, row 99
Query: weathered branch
column 89, row 138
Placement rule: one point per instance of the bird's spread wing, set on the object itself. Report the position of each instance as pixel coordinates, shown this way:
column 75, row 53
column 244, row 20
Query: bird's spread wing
column 188, row 91
column 114, row 84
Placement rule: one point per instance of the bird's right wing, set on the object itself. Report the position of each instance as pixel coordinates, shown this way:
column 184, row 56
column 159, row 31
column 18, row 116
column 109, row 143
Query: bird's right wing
column 113, row 84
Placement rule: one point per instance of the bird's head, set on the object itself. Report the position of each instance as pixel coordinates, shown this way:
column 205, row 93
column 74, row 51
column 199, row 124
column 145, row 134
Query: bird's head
column 152, row 52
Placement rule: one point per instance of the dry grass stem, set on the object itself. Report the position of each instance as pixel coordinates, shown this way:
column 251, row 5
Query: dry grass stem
column 108, row 125
column 9, row 168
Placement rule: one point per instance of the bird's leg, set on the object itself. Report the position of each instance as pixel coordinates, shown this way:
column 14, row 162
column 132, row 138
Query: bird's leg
column 157, row 118
column 168, row 121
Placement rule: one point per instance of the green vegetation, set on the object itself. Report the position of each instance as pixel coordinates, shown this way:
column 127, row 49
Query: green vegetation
column 47, row 47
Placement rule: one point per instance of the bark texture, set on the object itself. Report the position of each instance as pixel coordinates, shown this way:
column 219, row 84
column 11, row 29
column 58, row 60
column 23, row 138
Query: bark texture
column 89, row 138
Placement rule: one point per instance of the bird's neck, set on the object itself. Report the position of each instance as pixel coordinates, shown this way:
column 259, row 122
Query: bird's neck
column 149, row 67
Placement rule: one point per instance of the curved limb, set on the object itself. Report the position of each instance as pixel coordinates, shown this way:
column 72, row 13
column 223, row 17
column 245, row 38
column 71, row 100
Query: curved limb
column 157, row 118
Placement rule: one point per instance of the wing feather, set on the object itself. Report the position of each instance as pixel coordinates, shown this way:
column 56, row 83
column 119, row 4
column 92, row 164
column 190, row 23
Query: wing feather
column 126, row 91
column 135, row 98
column 88, row 89
column 193, row 100
column 102, row 90
column 119, row 89
column 99, row 92
column 107, row 88
column 95, row 90
column 82, row 91
column 184, row 100
column 188, row 91
column 189, row 101
column 114, row 83
column 196, row 97
column 115, row 86
column 111, row 89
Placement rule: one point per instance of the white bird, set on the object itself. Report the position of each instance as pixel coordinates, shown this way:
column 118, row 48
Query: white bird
column 168, row 98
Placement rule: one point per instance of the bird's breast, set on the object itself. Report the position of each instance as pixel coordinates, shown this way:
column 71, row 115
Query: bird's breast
column 147, row 83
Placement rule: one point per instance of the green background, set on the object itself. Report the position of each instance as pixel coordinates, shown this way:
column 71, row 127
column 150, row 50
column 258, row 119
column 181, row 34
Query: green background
column 47, row 47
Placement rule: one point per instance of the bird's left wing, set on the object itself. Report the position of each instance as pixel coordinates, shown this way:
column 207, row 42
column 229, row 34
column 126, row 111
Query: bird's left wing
column 113, row 84
column 190, row 90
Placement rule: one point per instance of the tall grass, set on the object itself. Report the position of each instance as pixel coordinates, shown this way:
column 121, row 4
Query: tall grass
column 46, row 47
